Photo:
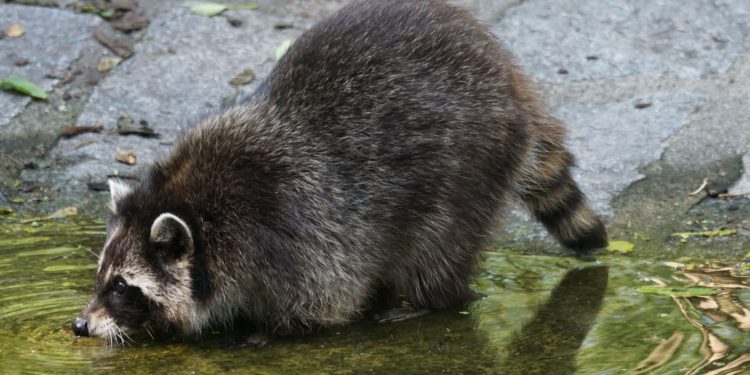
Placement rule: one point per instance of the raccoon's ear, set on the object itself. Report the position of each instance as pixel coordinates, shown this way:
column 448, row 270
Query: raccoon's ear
column 117, row 191
column 170, row 231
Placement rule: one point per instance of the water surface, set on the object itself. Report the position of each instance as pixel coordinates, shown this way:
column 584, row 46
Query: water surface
column 539, row 314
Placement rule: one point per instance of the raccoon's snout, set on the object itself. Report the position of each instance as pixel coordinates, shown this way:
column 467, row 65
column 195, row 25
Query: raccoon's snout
column 80, row 327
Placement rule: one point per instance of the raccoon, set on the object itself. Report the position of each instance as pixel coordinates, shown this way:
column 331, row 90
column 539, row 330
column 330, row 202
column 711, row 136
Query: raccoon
column 376, row 156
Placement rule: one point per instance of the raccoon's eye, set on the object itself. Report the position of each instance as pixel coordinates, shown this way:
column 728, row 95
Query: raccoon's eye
column 120, row 286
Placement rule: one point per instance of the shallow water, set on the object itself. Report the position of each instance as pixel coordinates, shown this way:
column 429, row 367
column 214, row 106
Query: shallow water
column 539, row 314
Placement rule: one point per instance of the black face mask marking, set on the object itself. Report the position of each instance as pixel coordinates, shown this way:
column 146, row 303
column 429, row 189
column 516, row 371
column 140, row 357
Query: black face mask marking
column 125, row 303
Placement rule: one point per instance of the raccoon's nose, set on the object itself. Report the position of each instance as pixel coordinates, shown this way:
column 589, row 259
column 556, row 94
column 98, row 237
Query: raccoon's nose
column 80, row 327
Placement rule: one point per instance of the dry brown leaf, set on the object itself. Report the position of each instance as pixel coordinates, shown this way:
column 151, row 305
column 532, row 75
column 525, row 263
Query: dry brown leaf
column 107, row 63
column 15, row 30
column 125, row 157
column 73, row 131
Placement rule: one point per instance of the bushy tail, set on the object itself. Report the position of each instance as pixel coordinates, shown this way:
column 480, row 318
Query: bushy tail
column 550, row 193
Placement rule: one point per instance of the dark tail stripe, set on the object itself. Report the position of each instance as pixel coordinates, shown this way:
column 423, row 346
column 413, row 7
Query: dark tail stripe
column 541, row 188
column 565, row 208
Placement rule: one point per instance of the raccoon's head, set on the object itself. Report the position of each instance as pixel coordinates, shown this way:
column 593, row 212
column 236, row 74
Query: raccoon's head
column 144, row 273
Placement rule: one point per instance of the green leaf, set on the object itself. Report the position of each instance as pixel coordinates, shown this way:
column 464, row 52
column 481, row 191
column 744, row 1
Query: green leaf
column 620, row 246
column 23, row 86
column 107, row 13
column 282, row 48
column 207, row 9
column 694, row 291
column 707, row 233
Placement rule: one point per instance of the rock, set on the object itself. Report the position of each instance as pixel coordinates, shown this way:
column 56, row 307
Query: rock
column 612, row 141
column 605, row 39
column 48, row 32
column 130, row 21
column 120, row 44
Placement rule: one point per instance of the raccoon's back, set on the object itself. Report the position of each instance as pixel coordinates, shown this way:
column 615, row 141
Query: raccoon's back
column 411, row 103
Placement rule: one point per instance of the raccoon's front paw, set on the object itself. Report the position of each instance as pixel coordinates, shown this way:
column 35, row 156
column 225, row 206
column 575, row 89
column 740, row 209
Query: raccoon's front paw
column 257, row 340
column 399, row 314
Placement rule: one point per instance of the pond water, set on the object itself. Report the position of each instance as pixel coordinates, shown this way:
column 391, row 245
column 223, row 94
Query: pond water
column 539, row 314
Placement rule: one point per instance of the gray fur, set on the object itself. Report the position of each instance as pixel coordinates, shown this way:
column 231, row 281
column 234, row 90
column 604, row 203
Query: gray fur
column 376, row 156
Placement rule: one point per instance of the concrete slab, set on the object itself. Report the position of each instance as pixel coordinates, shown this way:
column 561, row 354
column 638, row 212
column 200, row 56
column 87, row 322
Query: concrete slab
column 571, row 40
column 180, row 70
column 721, row 128
column 613, row 141
column 52, row 40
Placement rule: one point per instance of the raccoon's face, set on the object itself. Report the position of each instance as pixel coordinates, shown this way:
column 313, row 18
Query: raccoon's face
column 143, row 276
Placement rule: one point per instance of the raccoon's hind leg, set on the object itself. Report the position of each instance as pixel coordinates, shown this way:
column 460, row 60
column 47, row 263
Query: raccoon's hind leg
column 548, row 190
column 432, row 280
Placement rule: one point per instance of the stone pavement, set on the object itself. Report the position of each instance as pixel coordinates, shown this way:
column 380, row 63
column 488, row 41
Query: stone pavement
column 655, row 95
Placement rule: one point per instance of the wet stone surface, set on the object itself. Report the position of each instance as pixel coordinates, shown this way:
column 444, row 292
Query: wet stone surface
column 51, row 41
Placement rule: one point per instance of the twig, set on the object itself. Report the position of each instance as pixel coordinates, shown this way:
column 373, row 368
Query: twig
column 732, row 196
column 700, row 189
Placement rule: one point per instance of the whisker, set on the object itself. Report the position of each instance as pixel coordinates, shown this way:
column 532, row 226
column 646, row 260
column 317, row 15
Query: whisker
column 128, row 337
column 93, row 253
column 149, row 333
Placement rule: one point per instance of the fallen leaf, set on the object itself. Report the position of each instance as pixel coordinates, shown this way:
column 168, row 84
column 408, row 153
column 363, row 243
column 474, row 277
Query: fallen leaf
column 620, row 246
column 210, row 9
column 59, row 214
column 661, row 354
column 64, row 212
column 206, row 9
column 107, row 13
column 15, row 30
column 707, row 233
column 6, row 211
column 107, row 63
column 130, row 22
column 73, row 131
column 693, row 291
column 125, row 157
column 245, row 77
column 23, row 86
column 119, row 43
column 126, row 126
column 282, row 48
